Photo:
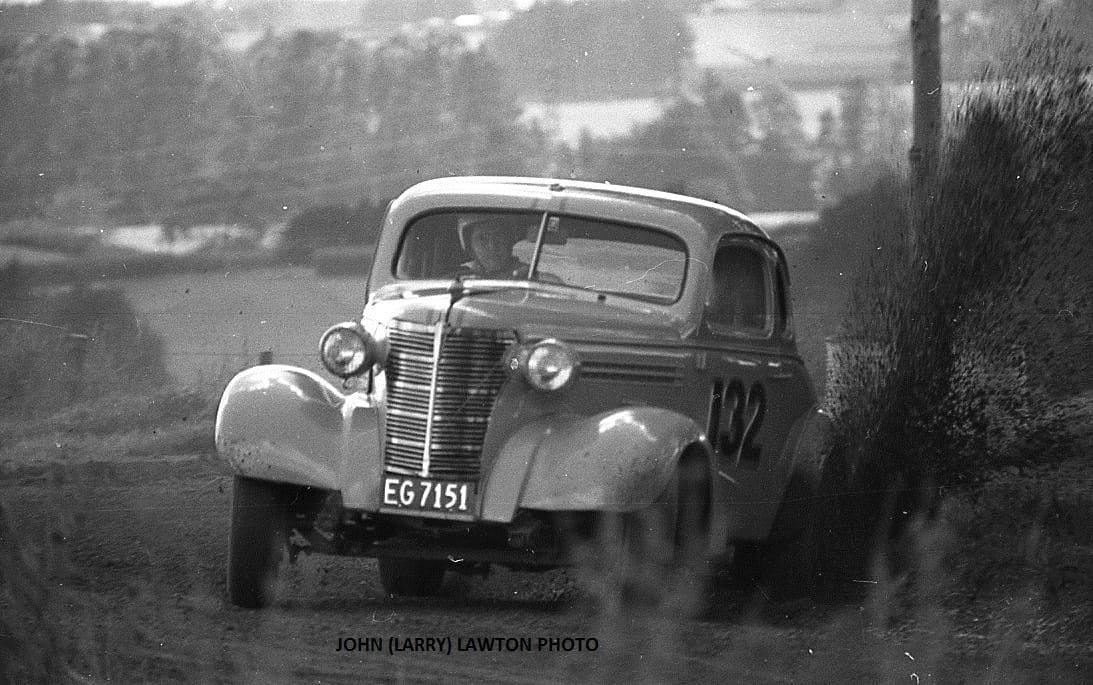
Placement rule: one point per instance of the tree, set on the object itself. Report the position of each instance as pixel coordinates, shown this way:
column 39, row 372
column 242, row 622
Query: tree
column 162, row 123
column 781, row 169
column 726, row 111
column 39, row 118
column 778, row 119
column 696, row 147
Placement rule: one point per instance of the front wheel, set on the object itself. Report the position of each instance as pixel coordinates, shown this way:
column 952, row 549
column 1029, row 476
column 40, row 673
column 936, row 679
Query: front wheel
column 256, row 543
column 659, row 554
column 412, row 577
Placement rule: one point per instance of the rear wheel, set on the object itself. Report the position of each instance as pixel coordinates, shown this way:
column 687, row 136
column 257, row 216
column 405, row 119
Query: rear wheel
column 257, row 542
column 804, row 555
column 786, row 564
column 412, row 577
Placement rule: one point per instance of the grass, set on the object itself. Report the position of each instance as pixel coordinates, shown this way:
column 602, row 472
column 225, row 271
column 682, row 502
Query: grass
column 50, row 633
column 115, row 427
column 116, row 264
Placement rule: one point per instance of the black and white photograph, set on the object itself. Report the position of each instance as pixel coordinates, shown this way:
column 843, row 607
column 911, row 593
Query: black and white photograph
column 546, row 341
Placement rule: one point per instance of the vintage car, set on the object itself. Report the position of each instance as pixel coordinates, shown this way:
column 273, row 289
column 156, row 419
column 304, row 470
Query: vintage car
column 626, row 373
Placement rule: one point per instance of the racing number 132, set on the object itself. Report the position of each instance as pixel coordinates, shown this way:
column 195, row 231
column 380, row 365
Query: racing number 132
column 735, row 417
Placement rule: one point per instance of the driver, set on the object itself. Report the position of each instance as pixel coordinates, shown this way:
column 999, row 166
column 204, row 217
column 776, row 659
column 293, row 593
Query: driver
column 490, row 241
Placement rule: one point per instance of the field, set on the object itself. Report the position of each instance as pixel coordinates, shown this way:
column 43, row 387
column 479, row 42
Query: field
column 218, row 322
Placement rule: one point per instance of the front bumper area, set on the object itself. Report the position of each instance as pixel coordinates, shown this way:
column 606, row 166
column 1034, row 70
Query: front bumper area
column 533, row 540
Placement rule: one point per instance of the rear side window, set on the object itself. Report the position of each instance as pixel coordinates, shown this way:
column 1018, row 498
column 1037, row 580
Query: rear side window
column 740, row 301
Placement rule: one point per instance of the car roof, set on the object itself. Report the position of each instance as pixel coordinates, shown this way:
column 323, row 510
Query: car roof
column 694, row 218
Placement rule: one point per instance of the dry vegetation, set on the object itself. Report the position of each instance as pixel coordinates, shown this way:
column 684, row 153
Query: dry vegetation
column 964, row 354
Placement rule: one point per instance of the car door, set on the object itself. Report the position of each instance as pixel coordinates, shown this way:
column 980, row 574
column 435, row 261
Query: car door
column 748, row 418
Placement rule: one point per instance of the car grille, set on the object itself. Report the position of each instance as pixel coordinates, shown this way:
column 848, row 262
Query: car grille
column 468, row 377
column 631, row 372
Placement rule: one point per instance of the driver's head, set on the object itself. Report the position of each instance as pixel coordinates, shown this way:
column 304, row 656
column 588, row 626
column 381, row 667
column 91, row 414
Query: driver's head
column 491, row 241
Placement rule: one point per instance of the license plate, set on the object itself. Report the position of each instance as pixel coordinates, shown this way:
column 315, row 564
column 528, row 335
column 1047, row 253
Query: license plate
column 419, row 494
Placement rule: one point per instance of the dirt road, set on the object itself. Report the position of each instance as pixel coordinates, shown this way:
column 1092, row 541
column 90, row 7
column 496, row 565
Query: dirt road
column 133, row 558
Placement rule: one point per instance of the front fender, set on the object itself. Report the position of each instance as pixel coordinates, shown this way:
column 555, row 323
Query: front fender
column 617, row 460
column 287, row 424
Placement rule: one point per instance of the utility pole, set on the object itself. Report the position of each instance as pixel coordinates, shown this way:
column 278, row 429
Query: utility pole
column 926, row 75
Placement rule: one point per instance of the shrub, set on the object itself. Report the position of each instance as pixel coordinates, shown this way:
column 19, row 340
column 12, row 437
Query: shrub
column 953, row 348
column 328, row 226
column 75, row 343
column 343, row 261
column 850, row 232
column 31, row 648
column 315, row 227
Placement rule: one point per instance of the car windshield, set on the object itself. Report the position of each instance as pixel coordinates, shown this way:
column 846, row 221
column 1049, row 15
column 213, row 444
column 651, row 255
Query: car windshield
column 608, row 257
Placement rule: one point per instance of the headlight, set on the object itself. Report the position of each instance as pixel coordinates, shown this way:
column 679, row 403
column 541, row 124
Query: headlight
column 346, row 350
column 547, row 365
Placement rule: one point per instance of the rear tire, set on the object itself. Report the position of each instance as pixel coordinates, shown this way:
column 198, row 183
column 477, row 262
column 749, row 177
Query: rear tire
column 786, row 565
column 257, row 542
column 805, row 554
column 412, row 577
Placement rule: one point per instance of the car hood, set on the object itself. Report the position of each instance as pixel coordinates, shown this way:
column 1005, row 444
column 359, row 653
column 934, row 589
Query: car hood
column 533, row 310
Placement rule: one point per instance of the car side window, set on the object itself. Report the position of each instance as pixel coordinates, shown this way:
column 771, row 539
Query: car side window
column 782, row 313
column 739, row 298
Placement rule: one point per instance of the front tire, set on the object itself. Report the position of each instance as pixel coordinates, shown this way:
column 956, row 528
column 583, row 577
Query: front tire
column 412, row 577
column 659, row 555
column 257, row 542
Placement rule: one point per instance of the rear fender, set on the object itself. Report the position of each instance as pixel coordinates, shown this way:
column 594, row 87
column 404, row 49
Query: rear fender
column 287, row 424
column 807, row 450
column 618, row 460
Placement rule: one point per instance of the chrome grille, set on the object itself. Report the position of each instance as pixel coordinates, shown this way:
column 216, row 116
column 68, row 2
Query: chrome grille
column 468, row 378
